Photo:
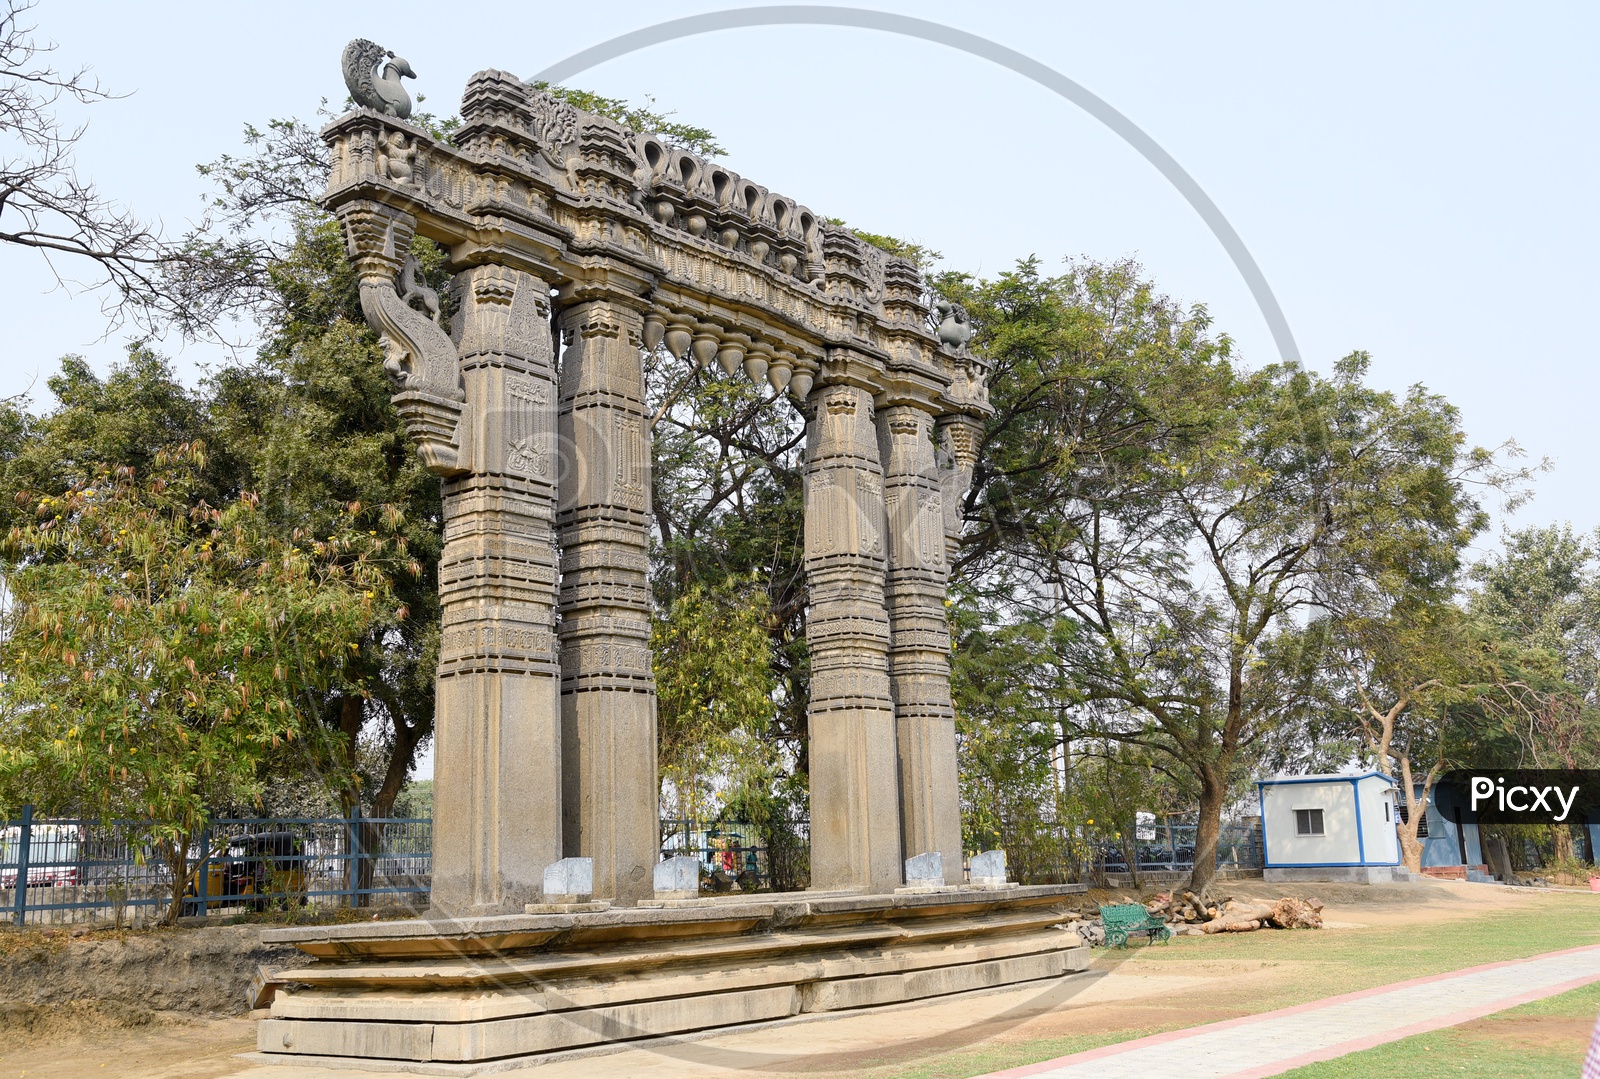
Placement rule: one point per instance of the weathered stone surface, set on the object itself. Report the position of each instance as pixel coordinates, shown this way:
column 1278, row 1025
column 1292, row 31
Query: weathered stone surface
column 608, row 711
column 893, row 988
column 654, row 976
column 497, row 732
column 925, row 869
column 855, row 811
column 648, row 972
column 919, row 638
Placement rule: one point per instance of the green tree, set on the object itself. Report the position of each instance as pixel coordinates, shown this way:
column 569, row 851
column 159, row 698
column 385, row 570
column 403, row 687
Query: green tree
column 1007, row 696
column 313, row 432
column 138, row 409
column 1188, row 519
column 714, row 690
column 1543, row 591
column 1410, row 663
column 1413, row 677
column 157, row 649
column 727, row 505
column 1541, row 595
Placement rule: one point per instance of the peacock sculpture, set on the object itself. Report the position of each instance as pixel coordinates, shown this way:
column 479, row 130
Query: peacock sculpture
column 382, row 93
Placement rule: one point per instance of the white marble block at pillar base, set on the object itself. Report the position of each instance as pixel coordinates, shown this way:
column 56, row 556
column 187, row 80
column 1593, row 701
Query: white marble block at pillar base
column 678, row 878
column 988, row 870
column 925, row 873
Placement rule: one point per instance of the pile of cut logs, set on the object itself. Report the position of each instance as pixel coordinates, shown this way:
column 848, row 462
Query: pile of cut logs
column 1187, row 913
column 1228, row 915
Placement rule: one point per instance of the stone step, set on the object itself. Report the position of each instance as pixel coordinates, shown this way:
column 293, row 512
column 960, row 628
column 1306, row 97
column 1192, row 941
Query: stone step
column 442, row 1006
column 518, row 968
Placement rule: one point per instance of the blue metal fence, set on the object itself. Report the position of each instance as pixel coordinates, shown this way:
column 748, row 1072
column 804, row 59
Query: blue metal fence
column 743, row 855
column 81, row 870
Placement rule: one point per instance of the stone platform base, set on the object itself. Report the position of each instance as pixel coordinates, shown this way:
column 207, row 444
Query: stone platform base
column 1346, row 874
column 486, row 994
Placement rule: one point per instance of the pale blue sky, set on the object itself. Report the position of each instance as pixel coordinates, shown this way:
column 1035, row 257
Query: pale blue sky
column 1414, row 181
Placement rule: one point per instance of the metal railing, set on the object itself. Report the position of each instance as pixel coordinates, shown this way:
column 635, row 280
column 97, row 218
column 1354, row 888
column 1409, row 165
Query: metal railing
column 1050, row 852
column 1238, row 847
column 753, row 857
column 82, row 870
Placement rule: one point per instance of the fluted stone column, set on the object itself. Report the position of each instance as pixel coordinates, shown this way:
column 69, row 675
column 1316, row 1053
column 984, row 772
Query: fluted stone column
column 855, row 812
column 919, row 639
column 497, row 739
column 608, row 713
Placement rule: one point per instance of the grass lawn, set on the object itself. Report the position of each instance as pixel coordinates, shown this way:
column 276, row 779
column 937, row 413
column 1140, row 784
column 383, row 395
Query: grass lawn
column 1545, row 1038
column 1282, row 968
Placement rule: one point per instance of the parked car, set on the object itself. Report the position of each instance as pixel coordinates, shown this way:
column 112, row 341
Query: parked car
column 253, row 868
column 53, row 855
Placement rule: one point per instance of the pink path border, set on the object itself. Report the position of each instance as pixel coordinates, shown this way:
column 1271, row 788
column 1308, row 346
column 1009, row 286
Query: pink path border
column 1315, row 1005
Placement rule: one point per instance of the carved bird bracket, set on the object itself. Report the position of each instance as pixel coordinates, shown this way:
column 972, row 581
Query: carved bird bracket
column 419, row 356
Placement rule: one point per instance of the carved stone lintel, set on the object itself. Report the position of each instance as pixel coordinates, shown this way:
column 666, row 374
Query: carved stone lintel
column 419, row 356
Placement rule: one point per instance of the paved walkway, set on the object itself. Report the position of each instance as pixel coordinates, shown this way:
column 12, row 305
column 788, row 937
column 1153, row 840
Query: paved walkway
column 1275, row 1042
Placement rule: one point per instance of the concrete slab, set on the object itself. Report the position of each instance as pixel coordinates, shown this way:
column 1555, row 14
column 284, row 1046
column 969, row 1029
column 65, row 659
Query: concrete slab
column 1348, row 874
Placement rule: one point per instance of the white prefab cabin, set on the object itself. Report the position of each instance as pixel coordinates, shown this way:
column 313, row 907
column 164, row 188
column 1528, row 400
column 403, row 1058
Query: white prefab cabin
column 1326, row 821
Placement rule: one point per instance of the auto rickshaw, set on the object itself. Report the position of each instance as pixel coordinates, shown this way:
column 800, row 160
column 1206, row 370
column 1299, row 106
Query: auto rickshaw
column 254, row 868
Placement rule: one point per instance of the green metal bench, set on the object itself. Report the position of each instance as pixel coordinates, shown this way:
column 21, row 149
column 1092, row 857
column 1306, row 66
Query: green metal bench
column 1120, row 919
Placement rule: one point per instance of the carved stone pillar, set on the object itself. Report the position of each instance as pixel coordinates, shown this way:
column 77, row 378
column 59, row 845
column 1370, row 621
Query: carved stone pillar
column 608, row 708
column 481, row 409
column 855, row 812
column 497, row 758
column 919, row 639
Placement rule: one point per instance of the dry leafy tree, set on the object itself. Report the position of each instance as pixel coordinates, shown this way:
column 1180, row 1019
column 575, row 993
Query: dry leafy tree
column 1412, row 677
column 45, row 204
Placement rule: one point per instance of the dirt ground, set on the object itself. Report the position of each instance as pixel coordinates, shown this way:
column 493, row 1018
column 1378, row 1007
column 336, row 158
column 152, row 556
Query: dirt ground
column 83, row 1007
column 197, row 972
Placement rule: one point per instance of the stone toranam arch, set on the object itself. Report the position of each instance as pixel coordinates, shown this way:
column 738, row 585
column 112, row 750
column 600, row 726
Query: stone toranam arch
column 577, row 244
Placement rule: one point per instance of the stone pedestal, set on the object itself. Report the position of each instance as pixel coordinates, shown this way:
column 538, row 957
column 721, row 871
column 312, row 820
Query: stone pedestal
column 497, row 819
column 919, row 638
column 490, row 994
column 608, row 713
column 855, row 811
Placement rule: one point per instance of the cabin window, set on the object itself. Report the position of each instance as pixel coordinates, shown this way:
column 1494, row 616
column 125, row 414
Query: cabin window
column 1386, row 818
column 1422, row 822
column 1308, row 822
